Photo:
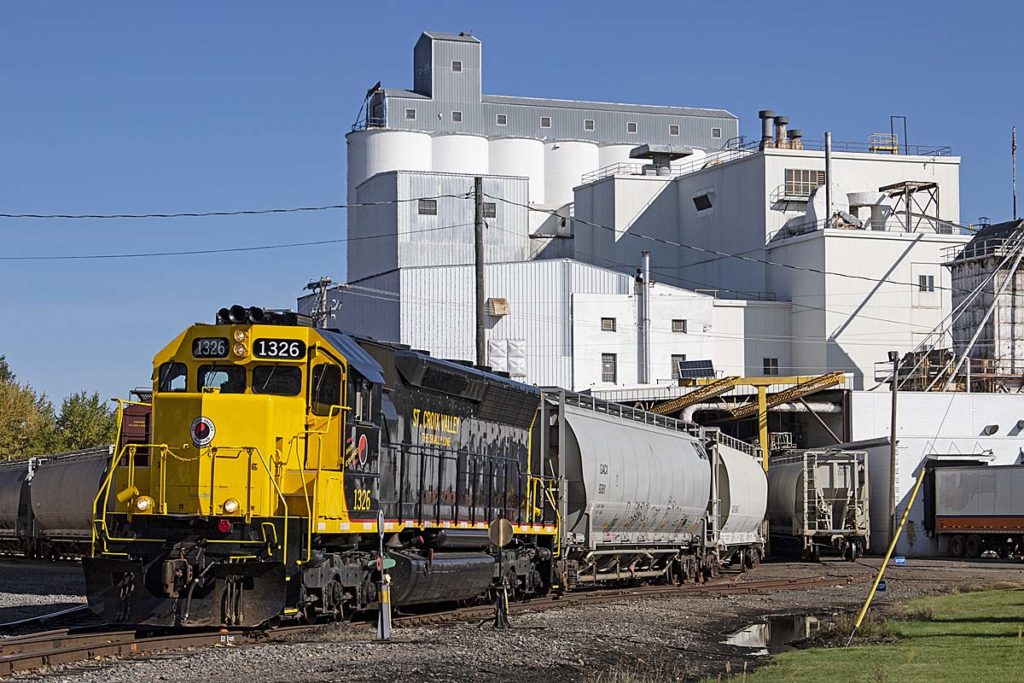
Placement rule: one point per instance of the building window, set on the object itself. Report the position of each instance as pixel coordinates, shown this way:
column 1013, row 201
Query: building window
column 702, row 202
column 428, row 207
column 490, row 210
column 801, row 182
column 673, row 129
column 545, row 122
column 677, row 358
column 679, row 326
column 607, row 324
column 501, row 119
column 410, row 114
column 588, row 124
column 926, row 283
column 631, row 127
column 771, row 367
column 716, row 133
column 457, row 116
column 609, row 363
column 457, row 66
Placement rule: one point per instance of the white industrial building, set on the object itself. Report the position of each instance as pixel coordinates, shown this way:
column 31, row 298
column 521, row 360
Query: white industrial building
column 742, row 247
column 761, row 260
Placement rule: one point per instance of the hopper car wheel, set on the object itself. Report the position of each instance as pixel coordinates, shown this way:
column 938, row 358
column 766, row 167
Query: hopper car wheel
column 957, row 546
column 975, row 546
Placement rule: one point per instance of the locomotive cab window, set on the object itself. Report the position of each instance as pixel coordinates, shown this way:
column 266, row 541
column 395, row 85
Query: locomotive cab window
column 325, row 388
column 171, row 377
column 230, row 379
column 279, row 380
column 361, row 398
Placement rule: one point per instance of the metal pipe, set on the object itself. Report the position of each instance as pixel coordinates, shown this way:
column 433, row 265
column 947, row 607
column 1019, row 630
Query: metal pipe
column 766, row 116
column 780, row 130
column 644, row 302
column 828, row 177
column 810, row 406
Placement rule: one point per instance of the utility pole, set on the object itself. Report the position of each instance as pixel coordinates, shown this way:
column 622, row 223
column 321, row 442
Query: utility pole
column 478, row 264
column 321, row 312
column 894, row 358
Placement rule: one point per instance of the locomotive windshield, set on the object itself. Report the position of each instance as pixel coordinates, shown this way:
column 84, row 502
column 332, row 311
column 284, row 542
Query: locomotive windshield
column 171, row 377
column 230, row 379
column 279, row 380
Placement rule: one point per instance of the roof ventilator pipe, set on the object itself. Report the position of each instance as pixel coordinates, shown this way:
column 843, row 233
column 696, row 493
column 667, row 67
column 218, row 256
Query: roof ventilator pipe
column 781, row 123
column 766, row 116
column 796, row 138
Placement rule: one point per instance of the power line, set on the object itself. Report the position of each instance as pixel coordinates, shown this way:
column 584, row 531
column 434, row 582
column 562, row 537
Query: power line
column 226, row 250
column 208, row 214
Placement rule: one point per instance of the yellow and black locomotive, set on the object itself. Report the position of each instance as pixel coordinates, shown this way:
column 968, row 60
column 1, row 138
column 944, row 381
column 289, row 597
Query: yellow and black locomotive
column 280, row 455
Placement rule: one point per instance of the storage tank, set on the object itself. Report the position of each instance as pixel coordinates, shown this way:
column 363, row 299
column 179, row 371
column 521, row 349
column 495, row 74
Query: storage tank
column 459, row 154
column 12, row 478
column 631, row 482
column 63, row 490
column 565, row 162
column 521, row 157
column 616, row 154
column 742, row 494
column 378, row 150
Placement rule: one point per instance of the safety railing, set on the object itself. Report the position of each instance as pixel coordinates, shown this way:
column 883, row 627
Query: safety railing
column 628, row 413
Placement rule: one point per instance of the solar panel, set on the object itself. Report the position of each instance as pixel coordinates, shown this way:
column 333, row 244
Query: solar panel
column 696, row 369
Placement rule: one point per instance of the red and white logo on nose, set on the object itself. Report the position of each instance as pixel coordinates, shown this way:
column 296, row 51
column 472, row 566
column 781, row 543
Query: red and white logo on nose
column 202, row 431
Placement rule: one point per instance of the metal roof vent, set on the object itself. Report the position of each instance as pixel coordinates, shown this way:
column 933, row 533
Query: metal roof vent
column 661, row 157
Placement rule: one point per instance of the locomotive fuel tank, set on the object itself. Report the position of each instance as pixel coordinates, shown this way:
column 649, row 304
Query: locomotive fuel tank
column 442, row 577
column 631, row 482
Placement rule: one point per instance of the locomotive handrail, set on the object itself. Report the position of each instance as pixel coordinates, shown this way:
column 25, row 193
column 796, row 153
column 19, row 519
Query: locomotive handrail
column 104, row 494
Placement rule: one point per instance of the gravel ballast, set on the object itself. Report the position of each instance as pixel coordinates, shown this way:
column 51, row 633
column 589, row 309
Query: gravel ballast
column 658, row 638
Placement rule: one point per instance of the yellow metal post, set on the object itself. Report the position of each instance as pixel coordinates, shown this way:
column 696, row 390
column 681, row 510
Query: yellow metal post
column 888, row 554
column 762, row 423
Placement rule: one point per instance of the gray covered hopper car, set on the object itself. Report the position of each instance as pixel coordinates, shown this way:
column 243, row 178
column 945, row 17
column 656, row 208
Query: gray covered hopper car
column 818, row 501
column 13, row 501
column 46, row 502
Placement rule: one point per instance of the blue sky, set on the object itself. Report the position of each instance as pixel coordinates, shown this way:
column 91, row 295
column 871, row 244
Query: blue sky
column 132, row 107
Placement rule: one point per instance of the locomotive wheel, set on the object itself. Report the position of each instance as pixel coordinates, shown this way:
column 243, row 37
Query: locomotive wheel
column 957, row 546
column 975, row 546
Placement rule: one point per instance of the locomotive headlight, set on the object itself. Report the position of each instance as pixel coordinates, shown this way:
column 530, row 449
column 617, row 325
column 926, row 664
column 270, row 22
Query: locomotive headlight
column 230, row 506
column 240, row 349
column 240, row 335
column 144, row 504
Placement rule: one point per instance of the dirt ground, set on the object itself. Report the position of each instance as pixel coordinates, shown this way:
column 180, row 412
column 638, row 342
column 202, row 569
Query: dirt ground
column 678, row 638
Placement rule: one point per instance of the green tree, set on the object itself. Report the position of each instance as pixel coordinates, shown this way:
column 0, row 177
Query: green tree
column 27, row 423
column 85, row 421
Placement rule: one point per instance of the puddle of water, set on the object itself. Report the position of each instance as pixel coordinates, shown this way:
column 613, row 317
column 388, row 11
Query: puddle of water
column 775, row 633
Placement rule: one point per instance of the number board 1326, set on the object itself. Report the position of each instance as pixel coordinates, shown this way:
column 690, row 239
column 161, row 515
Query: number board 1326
column 287, row 349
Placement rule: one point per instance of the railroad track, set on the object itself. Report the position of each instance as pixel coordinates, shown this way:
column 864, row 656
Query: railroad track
column 599, row 596
column 63, row 646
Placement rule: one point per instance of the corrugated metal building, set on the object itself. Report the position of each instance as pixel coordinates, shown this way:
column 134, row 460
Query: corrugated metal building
column 415, row 219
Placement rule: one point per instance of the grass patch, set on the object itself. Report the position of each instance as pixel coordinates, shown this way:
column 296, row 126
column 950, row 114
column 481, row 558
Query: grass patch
column 970, row 635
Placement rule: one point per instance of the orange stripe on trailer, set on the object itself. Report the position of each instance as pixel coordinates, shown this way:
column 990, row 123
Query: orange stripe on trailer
column 1014, row 524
